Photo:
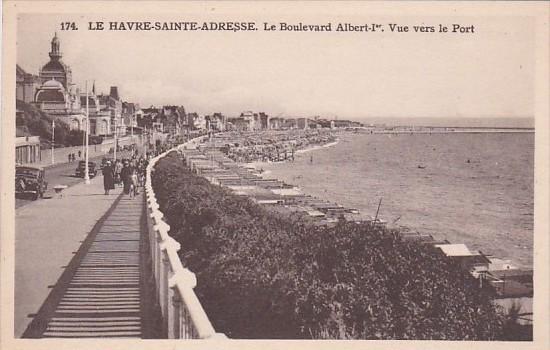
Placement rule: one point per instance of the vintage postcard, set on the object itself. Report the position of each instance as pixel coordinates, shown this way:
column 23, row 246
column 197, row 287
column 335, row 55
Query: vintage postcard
column 275, row 174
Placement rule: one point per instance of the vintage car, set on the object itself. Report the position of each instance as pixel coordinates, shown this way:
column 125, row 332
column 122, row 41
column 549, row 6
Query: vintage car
column 30, row 180
column 80, row 169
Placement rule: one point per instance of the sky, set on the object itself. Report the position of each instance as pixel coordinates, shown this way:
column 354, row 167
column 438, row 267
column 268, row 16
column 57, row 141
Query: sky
column 347, row 75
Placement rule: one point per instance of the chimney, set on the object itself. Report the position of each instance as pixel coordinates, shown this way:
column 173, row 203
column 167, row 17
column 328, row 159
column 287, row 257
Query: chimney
column 114, row 93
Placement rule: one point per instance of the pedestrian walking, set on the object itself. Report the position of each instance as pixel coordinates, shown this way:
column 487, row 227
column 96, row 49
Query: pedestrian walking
column 79, row 154
column 108, row 177
column 133, row 182
column 118, row 170
column 125, row 175
column 69, row 155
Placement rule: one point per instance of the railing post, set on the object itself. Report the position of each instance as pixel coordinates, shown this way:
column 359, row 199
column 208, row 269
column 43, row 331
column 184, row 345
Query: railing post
column 188, row 326
column 154, row 256
column 174, row 313
column 164, row 288
column 153, row 247
column 169, row 306
column 158, row 264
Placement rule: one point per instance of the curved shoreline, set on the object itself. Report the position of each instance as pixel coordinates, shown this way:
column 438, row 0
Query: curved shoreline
column 309, row 185
column 318, row 147
column 258, row 164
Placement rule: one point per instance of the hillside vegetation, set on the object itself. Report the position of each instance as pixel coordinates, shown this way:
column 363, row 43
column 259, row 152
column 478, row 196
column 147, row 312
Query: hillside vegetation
column 267, row 275
column 34, row 122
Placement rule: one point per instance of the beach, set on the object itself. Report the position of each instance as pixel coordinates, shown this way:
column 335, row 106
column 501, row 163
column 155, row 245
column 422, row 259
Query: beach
column 475, row 189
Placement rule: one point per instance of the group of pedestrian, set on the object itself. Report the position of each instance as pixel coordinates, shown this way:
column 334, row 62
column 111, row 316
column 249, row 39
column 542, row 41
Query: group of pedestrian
column 72, row 157
column 128, row 172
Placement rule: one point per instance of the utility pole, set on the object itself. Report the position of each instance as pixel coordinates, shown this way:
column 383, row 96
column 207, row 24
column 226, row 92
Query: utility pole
column 86, row 168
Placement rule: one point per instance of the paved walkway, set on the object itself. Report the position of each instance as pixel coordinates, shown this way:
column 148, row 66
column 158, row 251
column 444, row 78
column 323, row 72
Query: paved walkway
column 82, row 266
column 47, row 233
column 100, row 292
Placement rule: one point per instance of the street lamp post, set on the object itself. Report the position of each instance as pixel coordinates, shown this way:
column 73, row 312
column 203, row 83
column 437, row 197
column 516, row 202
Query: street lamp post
column 86, row 169
column 116, row 143
column 145, row 139
column 53, row 139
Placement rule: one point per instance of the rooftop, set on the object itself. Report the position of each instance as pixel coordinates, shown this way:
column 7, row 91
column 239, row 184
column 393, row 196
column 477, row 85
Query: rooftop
column 455, row 249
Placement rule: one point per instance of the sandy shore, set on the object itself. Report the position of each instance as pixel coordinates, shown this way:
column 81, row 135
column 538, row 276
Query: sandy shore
column 263, row 165
column 317, row 147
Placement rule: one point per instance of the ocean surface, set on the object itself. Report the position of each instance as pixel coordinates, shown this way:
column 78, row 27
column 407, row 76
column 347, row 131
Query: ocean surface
column 454, row 122
column 475, row 189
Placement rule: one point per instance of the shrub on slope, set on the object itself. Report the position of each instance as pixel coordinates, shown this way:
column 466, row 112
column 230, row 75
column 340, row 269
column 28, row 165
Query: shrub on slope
column 267, row 275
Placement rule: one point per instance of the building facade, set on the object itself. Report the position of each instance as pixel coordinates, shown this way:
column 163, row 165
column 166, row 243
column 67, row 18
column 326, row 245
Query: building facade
column 26, row 85
column 111, row 104
column 264, row 121
column 217, row 122
column 27, row 150
column 275, row 123
column 100, row 120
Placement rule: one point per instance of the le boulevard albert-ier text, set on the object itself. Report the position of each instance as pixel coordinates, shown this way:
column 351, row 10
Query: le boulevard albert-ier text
column 224, row 26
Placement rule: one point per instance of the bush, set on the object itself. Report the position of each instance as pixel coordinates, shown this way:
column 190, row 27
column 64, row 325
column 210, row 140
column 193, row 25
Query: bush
column 75, row 138
column 33, row 121
column 266, row 275
column 95, row 140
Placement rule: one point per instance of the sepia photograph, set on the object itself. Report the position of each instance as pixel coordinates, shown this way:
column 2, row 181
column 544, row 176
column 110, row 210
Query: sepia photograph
column 314, row 172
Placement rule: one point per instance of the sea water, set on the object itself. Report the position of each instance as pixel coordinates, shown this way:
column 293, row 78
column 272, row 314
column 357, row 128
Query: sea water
column 467, row 188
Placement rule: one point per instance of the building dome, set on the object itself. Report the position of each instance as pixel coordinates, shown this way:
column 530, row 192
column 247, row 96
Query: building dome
column 51, row 91
column 52, row 84
column 55, row 66
column 52, row 96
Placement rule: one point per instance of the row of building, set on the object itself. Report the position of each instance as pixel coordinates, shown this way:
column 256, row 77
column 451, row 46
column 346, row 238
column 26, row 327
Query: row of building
column 250, row 121
column 174, row 120
column 54, row 92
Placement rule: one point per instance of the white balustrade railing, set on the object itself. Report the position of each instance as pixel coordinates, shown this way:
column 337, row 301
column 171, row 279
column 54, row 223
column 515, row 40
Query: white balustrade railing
column 183, row 316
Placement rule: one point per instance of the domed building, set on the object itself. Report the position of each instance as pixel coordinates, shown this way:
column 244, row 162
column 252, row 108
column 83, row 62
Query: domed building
column 57, row 95
column 55, row 69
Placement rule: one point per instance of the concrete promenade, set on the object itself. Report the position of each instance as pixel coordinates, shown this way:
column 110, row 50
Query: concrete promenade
column 48, row 232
